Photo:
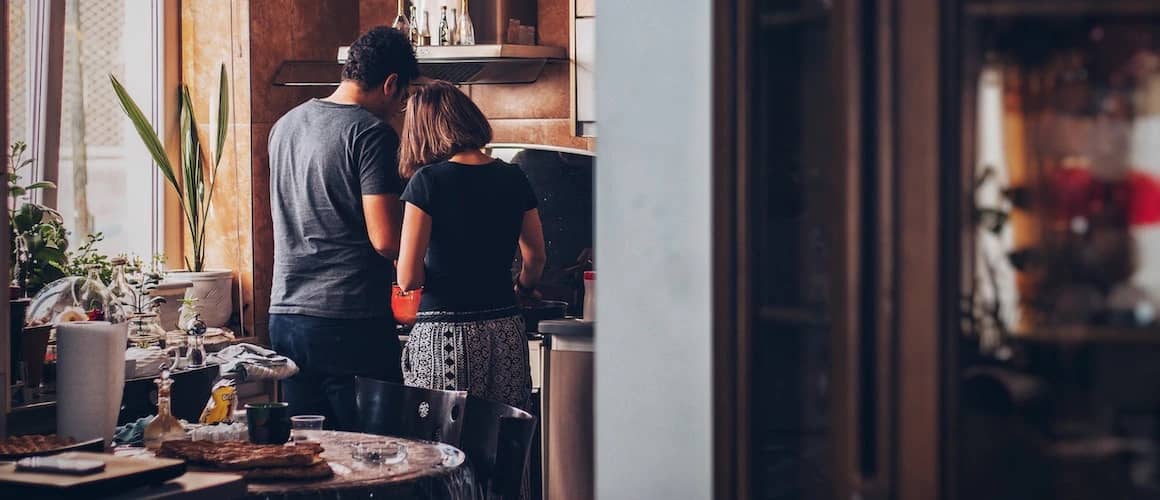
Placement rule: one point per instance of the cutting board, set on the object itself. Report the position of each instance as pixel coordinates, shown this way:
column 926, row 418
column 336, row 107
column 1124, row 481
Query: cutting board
column 121, row 473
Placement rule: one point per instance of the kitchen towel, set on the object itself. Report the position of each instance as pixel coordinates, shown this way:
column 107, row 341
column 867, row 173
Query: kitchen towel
column 90, row 378
column 248, row 362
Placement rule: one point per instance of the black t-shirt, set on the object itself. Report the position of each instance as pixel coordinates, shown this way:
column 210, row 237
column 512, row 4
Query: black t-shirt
column 476, row 215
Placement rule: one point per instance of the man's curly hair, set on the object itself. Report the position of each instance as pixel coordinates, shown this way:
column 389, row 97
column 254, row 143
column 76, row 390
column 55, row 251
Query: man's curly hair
column 379, row 53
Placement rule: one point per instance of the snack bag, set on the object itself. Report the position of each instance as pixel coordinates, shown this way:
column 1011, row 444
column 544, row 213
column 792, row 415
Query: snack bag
column 223, row 400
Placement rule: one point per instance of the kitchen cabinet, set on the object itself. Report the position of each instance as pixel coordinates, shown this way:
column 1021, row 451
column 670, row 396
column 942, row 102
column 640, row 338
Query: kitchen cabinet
column 584, row 67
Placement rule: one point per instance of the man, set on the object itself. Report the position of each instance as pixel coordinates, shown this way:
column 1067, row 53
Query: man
column 334, row 197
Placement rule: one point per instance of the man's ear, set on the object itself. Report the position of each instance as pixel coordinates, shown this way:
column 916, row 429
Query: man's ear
column 391, row 85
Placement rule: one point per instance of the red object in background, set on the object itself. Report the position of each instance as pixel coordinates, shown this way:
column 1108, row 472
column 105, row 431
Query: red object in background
column 1144, row 207
column 96, row 315
column 1072, row 192
column 405, row 305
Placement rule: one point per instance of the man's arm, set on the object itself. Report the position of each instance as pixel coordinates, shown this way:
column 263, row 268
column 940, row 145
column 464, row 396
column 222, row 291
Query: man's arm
column 384, row 215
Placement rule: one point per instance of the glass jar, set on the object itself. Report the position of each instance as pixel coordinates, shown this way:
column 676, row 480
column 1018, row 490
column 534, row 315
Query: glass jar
column 123, row 301
column 92, row 296
column 145, row 330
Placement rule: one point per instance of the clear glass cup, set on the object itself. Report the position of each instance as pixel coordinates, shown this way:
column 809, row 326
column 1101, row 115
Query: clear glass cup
column 301, row 423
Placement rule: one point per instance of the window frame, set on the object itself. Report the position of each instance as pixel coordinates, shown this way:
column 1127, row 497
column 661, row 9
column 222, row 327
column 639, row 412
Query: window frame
column 147, row 81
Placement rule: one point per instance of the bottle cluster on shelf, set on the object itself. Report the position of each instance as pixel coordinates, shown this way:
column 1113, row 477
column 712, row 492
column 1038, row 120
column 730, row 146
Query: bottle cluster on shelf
column 454, row 28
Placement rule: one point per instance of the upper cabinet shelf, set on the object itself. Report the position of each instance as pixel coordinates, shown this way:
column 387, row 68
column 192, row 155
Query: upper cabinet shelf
column 464, row 65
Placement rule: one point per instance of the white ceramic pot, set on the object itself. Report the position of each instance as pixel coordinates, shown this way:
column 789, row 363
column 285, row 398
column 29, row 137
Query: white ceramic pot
column 213, row 290
column 173, row 290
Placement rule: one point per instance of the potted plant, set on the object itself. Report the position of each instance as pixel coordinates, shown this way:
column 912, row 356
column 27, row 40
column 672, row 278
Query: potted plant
column 194, row 188
column 38, row 256
column 39, row 240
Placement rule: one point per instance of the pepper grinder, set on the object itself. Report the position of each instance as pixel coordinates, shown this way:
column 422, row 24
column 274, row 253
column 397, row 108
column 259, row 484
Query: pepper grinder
column 195, row 343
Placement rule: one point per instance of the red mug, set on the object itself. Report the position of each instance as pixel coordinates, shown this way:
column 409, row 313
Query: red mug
column 405, row 305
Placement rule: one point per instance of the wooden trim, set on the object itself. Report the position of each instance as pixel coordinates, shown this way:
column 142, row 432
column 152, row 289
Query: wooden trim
column 731, row 307
column 5, row 244
column 574, row 92
column 919, row 326
column 46, row 65
column 847, row 329
column 173, row 226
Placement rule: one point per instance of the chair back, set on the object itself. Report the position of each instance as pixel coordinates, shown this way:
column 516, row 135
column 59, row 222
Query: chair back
column 497, row 439
column 390, row 409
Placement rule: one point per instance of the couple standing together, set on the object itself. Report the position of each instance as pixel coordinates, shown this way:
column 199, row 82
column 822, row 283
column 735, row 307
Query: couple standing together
column 353, row 202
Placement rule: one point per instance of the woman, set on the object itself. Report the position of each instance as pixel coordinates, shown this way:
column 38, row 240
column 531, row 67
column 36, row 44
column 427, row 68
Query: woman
column 464, row 217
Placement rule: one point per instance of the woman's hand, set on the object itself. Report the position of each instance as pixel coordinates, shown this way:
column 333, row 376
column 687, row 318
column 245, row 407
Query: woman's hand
column 526, row 297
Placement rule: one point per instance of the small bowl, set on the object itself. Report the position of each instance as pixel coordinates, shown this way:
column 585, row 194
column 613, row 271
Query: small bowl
column 405, row 305
column 379, row 452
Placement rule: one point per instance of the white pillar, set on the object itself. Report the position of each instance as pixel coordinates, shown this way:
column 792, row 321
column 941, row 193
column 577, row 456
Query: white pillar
column 653, row 241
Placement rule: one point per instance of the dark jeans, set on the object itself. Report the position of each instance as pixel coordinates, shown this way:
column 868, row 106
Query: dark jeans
column 330, row 353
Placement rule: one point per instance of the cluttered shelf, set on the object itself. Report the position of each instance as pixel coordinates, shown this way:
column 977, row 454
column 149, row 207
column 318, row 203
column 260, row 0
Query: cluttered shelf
column 1060, row 8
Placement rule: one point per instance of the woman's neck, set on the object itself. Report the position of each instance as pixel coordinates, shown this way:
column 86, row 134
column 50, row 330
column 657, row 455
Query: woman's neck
column 472, row 157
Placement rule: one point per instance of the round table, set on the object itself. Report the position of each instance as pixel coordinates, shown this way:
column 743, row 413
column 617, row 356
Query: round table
column 430, row 470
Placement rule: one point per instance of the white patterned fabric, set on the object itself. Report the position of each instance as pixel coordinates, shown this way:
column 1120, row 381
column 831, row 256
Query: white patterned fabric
column 485, row 355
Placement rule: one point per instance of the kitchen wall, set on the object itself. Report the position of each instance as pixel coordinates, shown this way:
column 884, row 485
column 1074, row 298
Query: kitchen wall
column 210, row 33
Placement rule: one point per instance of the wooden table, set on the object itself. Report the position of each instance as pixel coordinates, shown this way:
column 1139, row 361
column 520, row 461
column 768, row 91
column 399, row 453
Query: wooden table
column 430, row 470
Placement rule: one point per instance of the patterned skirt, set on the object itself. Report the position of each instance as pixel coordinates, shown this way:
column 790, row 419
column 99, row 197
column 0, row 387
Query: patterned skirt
column 484, row 353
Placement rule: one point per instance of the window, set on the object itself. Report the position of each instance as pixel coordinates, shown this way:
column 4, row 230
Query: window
column 64, row 108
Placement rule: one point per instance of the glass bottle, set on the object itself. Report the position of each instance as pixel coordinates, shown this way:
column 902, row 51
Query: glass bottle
column 425, row 32
column 413, row 34
column 92, row 295
column 444, row 30
column 466, row 29
column 402, row 23
column 453, row 27
column 163, row 427
column 145, row 330
column 123, row 302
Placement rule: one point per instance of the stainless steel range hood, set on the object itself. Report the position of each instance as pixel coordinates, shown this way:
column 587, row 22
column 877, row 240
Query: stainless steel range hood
column 461, row 64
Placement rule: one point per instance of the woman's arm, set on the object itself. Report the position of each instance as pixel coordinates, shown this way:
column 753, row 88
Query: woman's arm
column 532, row 250
column 413, row 247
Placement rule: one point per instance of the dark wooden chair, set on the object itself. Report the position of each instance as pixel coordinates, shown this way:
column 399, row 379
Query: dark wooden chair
column 497, row 439
column 390, row 409
column 191, row 391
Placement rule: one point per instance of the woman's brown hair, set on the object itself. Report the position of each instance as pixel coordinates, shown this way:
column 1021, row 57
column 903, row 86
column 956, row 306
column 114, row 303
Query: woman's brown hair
column 440, row 122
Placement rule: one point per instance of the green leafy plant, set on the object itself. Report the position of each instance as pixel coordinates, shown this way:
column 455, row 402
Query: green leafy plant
column 195, row 188
column 16, row 163
column 40, row 241
column 87, row 255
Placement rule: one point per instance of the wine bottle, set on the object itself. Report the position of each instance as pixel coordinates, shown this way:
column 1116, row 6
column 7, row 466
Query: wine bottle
column 425, row 32
column 444, row 32
column 402, row 23
column 466, row 29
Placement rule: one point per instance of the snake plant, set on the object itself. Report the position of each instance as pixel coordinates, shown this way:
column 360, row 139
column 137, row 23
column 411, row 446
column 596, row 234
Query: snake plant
column 193, row 186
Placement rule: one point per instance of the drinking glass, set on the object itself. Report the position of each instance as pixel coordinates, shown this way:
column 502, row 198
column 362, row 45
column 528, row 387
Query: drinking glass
column 300, row 423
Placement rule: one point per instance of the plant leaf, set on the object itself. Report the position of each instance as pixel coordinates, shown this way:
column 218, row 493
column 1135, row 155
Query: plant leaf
column 40, row 185
column 16, row 191
column 146, row 132
column 223, row 118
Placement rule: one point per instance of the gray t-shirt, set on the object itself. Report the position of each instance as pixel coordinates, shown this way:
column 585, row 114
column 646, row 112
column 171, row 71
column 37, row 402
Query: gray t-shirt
column 323, row 158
